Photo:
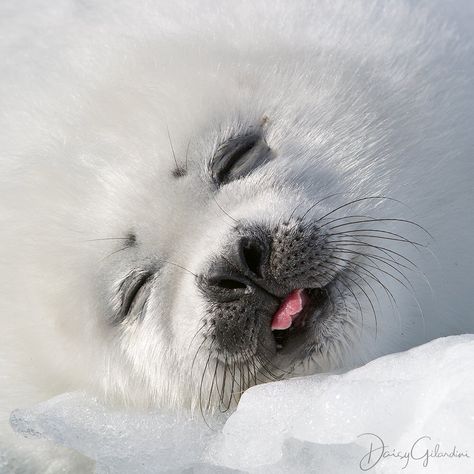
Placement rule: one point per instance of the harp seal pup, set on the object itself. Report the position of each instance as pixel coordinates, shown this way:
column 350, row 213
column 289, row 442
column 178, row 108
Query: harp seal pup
column 219, row 198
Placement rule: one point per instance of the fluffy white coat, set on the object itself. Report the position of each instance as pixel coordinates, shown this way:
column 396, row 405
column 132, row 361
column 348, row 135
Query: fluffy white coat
column 363, row 98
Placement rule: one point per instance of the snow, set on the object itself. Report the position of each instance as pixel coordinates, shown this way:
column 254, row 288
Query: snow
column 311, row 424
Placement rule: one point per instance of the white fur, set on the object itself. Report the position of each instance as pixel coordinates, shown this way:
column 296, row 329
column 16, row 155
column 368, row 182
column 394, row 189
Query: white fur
column 362, row 97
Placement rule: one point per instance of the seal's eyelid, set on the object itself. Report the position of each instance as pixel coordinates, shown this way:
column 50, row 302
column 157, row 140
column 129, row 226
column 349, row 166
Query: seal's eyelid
column 239, row 156
column 128, row 291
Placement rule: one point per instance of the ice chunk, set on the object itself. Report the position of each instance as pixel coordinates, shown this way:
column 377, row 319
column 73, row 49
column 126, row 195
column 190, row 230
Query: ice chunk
column 418, row 403
column 120, row 442
column 427, row 391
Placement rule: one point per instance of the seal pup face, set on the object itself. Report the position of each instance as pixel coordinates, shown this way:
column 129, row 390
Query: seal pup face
column 269, row 276
column 258, row 234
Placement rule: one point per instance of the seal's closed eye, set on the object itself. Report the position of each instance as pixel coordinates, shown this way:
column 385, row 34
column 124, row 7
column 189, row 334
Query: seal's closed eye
column 239, row 156
column 129, row 291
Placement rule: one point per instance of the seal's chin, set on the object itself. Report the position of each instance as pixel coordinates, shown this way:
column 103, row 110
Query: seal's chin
column 295, row 317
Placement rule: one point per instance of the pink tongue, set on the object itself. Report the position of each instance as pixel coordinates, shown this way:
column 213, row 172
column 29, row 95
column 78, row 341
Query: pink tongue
column 288, row 310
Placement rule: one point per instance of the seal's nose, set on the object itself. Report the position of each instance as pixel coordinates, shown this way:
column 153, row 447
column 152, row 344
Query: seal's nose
column 243, row 268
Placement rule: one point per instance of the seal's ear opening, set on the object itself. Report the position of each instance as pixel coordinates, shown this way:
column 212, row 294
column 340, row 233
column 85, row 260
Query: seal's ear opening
column 239, row 156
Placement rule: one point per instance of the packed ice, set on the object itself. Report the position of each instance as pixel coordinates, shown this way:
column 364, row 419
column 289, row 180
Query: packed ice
column 412, row 410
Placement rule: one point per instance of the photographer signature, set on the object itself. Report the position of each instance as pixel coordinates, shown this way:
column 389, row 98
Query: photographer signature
column 418, row 452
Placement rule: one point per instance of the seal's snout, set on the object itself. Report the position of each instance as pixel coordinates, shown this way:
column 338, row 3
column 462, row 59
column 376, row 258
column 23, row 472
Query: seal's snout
column 265, row 287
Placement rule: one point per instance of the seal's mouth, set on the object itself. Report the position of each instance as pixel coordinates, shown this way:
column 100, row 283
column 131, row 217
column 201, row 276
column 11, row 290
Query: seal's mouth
column 291, row 320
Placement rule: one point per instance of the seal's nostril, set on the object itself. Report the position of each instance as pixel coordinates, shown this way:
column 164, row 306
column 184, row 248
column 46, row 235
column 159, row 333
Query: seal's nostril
column 226, row 287
column 252, row 255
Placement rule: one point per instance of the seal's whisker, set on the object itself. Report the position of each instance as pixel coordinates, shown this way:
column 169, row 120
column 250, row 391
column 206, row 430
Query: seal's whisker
column 345, row 285
column 196, row 354
column 376, row 267
column 106, row 238
column 371, row 256
column 355, row 201
column 266, row 374
column 221, row 390
column 213, row 381
column 244, row 367
column 364, row 229
column 392, row 299
column 252, row 368
column 369, row 219
column 187, row 154
column 172, row 147
column 203, row 376
column 255, row 377
column 264, row 371
column 293, row 211
column 264, row 351
column 226, row 395
column 359, row 233
column 369, row 274
column 337, row 276
column 251, row 359
column 214, row 198
column 347, row 318
column 410, row 288
column 114, row 252
column 234, row 393
column 319, row 202
column 222, row 209
column 345, row 276
column 269, row 367
column 350, row 216
column 352, row 241
column 204, row 324
column 177, row 265
column 387, row 252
